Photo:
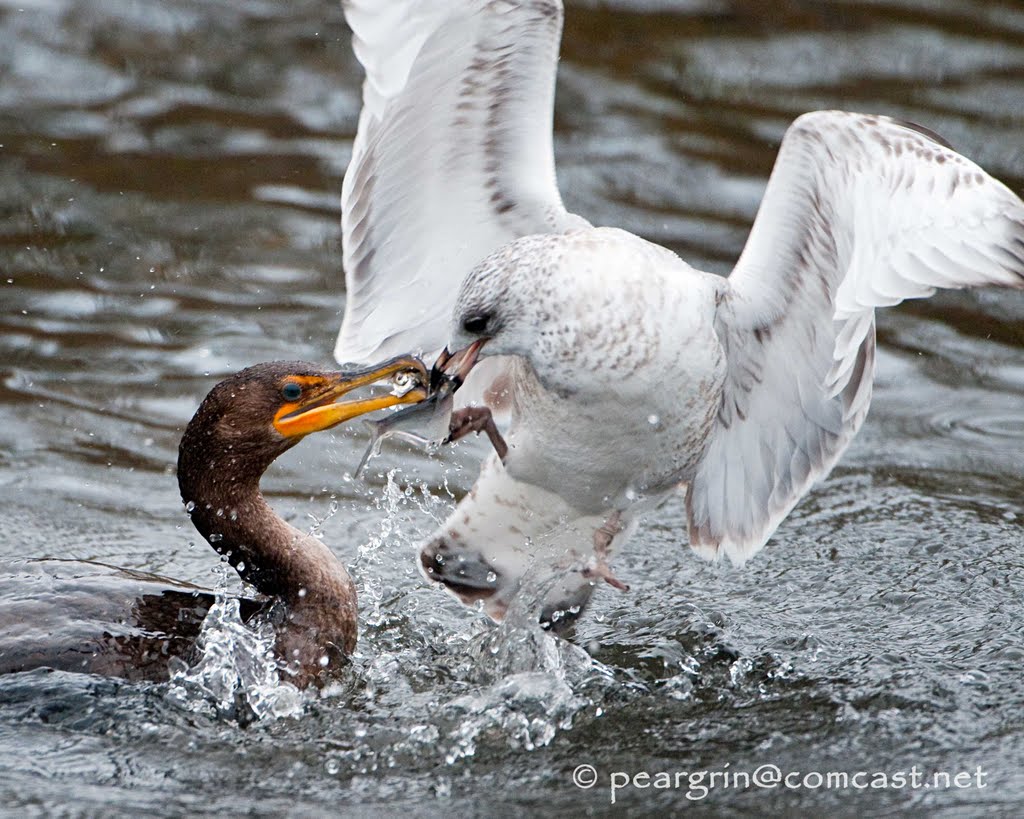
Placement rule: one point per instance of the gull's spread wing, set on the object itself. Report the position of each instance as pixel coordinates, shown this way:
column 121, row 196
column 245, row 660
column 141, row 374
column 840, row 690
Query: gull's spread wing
column 860, row 212
column 453, row 158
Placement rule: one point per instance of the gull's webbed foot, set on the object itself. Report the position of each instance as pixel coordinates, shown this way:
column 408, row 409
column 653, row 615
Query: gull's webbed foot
column 603, row 537
column 476, row 419
column 601, row 571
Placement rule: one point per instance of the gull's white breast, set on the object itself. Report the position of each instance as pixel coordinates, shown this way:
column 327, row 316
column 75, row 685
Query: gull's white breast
column 646, row 370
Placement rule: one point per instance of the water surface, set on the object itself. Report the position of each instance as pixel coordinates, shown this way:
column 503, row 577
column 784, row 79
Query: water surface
column 169, row 183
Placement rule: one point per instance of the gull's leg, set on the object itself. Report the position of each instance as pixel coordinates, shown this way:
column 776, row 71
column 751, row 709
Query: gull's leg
column 476, row 419
column 603, row 537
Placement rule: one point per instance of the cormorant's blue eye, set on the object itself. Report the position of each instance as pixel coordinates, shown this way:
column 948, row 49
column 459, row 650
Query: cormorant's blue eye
column 291, row 391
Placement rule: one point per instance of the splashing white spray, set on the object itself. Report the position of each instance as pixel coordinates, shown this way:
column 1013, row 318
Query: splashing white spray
column 237, row 672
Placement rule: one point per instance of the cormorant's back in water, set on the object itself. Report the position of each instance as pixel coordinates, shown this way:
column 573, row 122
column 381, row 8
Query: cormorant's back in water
column 99, row 619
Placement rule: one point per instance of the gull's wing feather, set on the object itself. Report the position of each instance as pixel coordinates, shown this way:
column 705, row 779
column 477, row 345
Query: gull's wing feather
column 453, row 158
column 860, row 212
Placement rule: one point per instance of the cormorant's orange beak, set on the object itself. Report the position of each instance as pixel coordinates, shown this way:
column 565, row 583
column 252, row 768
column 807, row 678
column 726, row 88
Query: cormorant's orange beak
column 318, row 408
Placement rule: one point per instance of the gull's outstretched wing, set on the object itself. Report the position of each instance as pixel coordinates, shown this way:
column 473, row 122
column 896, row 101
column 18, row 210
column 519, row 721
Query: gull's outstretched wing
column 453, row 158
column 860, row 212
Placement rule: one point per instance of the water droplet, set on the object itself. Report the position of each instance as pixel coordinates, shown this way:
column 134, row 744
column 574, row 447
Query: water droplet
column 332, row 766
column 491, row 577
column 190, row 506
column 324, row 660
column 653, row 420
column 302, row 592
column 241, row 566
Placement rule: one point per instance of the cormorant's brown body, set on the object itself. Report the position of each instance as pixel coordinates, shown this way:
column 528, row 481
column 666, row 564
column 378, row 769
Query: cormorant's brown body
column 222, row 456
column 87, row 617
column 109, row 621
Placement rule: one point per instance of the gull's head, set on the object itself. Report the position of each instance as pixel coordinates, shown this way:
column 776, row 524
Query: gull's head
column 505, row 300
column 562, row 302
column 556, row 300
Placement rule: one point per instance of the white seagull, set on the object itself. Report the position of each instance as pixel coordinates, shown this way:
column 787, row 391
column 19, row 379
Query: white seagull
column 627, row 372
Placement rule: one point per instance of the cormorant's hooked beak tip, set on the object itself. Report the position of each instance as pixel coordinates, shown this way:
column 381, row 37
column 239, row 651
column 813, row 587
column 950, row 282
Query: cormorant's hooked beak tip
column 455, row 367
column 322, row 410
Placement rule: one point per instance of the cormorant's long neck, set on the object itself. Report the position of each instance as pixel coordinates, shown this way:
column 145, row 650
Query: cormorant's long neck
column 228, row 509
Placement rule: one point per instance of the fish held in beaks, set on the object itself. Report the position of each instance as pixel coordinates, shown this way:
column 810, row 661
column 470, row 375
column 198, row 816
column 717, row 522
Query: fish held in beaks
column 425, row 424
column 433, row 421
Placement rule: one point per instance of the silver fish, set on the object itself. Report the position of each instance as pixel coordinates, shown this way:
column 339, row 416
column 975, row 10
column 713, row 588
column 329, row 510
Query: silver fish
column 424, row 424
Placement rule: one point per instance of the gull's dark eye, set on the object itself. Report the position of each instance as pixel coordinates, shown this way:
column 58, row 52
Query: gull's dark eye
column 475, row 325
column 291, row 391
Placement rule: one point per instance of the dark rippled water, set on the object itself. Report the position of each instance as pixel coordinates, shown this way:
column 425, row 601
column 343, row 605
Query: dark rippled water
column 169, row 181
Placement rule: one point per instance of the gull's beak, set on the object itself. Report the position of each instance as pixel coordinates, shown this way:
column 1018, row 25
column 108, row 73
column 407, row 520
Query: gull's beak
column 455, row 366
column 319, row 409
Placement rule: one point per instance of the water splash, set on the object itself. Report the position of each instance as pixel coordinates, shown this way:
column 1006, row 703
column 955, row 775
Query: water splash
column 531, row 685
column 236, row 676
column 511, row 684
column 524, row 710
column 408, row 513
column 317, row 527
